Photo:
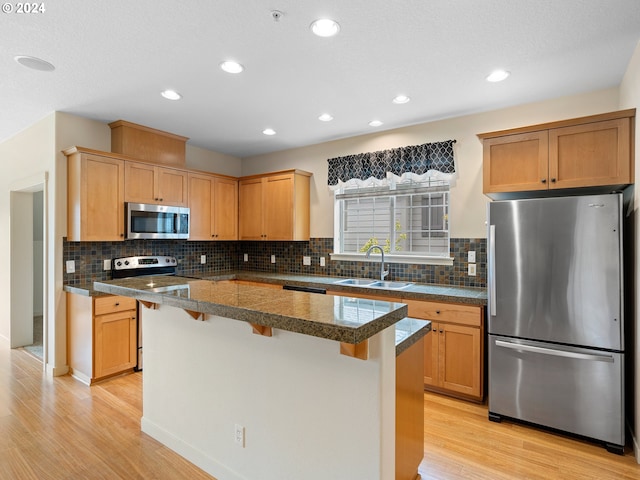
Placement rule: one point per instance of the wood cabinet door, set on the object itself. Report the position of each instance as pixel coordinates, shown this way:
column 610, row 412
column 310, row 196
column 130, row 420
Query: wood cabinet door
column 225, row 208
column 430, row 361
column 592, row 154
column 251, row 209
column 201, row 207
column 172, row 187
column 513, row 163
column 114, row 343
column 459, row 359
column 278, row 212
column 102, row 199
column 139, row 183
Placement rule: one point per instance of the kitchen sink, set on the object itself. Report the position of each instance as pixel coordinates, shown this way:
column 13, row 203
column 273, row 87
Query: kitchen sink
column 357, row 282
column 369, row 283
column 390, row 285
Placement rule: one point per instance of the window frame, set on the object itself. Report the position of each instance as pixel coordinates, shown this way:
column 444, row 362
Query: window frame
column 392, row 191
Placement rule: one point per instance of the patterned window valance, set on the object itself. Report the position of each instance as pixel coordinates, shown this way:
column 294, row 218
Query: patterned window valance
column 418, row 162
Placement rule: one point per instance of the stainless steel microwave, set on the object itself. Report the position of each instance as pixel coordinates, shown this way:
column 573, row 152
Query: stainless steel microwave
column 157, row 221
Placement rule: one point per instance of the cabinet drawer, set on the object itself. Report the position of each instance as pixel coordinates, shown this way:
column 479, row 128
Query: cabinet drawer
column 112, row 304
column 448, row 312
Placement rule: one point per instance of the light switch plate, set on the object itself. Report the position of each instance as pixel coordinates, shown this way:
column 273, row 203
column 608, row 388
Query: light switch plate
column 306, row 260
column 71, row 266
column 322, row 262
column 246, row 257
column 472, row 269
column 203, row 259
column 273, row 259
column 106, row 264
column 471, row 256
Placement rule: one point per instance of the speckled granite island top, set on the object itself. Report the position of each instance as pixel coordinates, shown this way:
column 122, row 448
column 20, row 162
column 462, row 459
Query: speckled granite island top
column 349, row 320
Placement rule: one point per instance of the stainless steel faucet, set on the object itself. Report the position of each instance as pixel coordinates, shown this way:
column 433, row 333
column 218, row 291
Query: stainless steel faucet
column 383, row 272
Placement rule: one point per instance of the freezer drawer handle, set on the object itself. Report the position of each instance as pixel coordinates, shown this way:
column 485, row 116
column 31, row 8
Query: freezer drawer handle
column 557, row 353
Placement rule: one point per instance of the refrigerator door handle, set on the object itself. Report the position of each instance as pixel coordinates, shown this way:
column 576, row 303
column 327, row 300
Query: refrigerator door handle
column 558, row 353
column 492, row 270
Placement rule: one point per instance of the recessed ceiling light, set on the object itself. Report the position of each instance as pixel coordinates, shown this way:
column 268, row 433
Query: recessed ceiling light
column 231, row 67
column 34, row 63
column 375, row 123
column 325, row 27
column 269, row 131
column 171, row 95
column 401, row 99
column 498, row 75
column 325, row 117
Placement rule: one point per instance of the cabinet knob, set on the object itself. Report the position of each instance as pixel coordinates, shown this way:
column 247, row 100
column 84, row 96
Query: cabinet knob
column 117, row 304
column 122, row 234
column 553, row 180
column 161, row 199
column 544, row 180
column 438, row 312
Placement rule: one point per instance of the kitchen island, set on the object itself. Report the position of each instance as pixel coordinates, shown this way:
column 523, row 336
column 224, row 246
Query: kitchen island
column 250, row 382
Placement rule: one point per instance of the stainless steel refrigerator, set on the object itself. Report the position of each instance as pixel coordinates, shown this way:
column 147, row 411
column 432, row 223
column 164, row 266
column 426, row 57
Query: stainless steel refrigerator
column 555, row 323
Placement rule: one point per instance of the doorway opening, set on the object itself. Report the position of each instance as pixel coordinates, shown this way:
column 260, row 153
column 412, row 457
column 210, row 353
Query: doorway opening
column 28, row 328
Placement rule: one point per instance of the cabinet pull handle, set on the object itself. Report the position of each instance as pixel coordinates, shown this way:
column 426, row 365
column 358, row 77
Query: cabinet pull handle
column 544, row 180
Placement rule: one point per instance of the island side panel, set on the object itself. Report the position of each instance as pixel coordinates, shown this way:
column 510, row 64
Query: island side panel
column 308, row 412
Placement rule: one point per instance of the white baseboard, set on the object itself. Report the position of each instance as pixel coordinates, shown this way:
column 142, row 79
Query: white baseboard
column 81, row 377
column 57, row 371
column 195, row 456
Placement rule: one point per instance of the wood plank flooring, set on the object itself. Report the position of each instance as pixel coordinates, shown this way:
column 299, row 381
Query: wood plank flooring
column 61, row 429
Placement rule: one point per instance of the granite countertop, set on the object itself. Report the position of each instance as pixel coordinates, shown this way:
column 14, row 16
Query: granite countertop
column 409, row 331
column 417, row 291
column 345, row 319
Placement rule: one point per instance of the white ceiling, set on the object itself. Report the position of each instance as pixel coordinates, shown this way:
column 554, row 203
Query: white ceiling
column 113, row 58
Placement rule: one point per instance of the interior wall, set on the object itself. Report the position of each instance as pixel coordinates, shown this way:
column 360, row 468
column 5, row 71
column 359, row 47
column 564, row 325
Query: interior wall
column 26, row 155
column 468, row 204
column 21, row 269
column 630, row 98
column 208, row 161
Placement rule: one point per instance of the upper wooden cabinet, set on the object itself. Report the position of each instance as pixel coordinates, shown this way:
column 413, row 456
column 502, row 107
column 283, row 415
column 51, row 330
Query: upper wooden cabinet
column 95, row 196
column 275, row 206
column 148, row 144
column 213, row 201
column 146, row 183
column 584, row 152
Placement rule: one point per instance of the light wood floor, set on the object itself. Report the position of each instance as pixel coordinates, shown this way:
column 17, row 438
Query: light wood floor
column 61, row 429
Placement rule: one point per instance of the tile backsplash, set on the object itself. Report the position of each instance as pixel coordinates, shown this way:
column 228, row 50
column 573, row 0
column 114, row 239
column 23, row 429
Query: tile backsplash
column 229, row 256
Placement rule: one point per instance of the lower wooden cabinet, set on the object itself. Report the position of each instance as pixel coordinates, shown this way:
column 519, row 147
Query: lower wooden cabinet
column 454, row 350
column 102, row 336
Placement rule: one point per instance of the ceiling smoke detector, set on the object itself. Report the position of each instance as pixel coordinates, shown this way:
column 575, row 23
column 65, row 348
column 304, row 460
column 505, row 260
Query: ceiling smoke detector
column 34, row 63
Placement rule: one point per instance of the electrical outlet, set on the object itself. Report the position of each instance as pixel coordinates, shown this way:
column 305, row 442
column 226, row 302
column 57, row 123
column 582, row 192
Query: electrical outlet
column 203, row 259
column 239, row 435
column 322, row 262
column 273, row 259
column 472, row 269
column 306, row 260
column 246, row 257
column 71, row 266
column 471, row 256
column 106, row 264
